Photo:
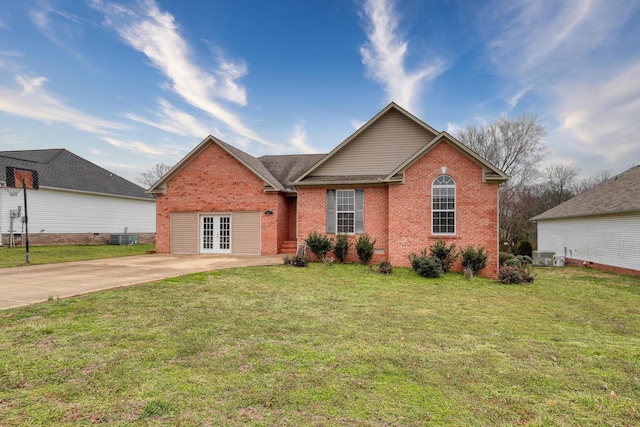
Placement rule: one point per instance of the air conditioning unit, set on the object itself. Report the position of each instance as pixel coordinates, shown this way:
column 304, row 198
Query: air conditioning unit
column 123, row 239
column 543, row 258
column 558, row 261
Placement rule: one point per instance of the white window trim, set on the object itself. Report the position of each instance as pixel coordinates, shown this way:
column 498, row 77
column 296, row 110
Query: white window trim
column 454, row 210
column 353, row 212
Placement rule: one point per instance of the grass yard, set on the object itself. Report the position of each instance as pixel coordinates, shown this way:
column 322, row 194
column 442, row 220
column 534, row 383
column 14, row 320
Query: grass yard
column 15, row 257
column 324, row 346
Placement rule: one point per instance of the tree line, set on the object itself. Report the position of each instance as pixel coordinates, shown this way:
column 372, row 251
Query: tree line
column 515, row 146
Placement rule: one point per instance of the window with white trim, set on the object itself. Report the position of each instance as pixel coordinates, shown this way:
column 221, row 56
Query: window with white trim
column 443, row 211
column 345, row 211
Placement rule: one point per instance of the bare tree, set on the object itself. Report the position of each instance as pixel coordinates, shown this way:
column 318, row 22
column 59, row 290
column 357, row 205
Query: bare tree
column 588, row 183
column 152, row 175
column 560, row 180
column 513, row 146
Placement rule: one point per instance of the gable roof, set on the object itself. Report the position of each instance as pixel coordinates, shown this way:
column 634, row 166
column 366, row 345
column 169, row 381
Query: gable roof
column 491, row 173
column 275, row 171
column 285, row 172
column 59, row 168
column 620, row 194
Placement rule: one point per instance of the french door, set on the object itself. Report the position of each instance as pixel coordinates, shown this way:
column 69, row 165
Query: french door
column 215, row 235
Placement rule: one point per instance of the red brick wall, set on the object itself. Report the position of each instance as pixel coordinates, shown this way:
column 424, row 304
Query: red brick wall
column 215, row 181
column 602, row 267
column 312, row 216
column 476, row 208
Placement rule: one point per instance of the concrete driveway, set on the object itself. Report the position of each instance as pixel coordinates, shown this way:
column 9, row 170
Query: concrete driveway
column 36, row 283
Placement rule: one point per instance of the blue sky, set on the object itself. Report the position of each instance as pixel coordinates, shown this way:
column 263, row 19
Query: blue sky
column 128, row 84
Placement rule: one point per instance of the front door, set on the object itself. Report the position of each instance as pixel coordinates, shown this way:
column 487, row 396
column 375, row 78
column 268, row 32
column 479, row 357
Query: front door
column 215, row 234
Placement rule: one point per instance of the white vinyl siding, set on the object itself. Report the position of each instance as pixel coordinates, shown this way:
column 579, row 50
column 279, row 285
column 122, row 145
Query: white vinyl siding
column 379, row 149
column 184, row 232
column 56, row 211
column 610, row 240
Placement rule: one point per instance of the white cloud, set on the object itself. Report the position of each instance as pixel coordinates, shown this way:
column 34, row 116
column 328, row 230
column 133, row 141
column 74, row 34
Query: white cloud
column 31, row 100
column 357, row 124
column 546, row 37
column 385, row 53
column 603, row 115
column 453, row 128
column 144, row 148
column 156, row 34
column 171, row 119
column 581, row 58
column 299, row 139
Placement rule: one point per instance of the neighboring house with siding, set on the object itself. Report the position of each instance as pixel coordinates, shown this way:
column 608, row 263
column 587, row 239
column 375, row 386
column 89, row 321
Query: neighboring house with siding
column 78, row 201
column 598, row 228
column 396, row 179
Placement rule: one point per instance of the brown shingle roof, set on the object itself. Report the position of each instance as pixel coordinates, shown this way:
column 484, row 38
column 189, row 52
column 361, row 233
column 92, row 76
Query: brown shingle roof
column 286, row 168
column 620, row 194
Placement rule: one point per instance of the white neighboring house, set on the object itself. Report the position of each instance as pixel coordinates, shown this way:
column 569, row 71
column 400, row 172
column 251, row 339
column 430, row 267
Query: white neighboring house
column 78, row 201
column 598, row 228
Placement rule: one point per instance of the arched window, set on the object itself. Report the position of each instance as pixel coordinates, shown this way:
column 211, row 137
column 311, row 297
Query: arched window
column 443, row 205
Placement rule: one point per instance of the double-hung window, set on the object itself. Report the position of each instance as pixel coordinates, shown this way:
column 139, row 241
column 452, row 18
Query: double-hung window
column 443, row 210
column 345, row 211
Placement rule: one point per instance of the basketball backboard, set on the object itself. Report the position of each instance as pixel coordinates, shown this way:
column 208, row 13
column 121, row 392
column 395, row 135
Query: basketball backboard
column 17, row 177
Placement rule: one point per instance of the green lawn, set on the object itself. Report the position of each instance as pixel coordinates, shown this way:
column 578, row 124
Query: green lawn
column 14, row 257
column 328, row 346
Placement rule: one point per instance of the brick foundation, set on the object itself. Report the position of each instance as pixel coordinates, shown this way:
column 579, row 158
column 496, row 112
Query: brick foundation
column 42, row 239
column 602, row 267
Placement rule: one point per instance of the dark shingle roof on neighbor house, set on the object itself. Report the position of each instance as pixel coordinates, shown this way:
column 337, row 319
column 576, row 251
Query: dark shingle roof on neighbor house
column 59, row 168
column 617, row 195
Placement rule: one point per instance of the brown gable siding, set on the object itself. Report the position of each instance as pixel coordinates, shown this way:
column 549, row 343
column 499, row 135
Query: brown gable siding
column 379, row 149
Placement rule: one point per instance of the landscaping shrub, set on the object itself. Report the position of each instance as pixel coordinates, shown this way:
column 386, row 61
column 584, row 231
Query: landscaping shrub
column 516, row 270
column 297, row 260
column 503, row 256
column 385, row 267
column 446, row 254
column 524, row 248
column 473, row 259
column 364, row 248
column 341, row 248
column 319, row 245
column 426, row 266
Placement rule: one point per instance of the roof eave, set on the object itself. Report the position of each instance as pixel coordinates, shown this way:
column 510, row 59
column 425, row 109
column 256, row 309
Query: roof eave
column 586, row 215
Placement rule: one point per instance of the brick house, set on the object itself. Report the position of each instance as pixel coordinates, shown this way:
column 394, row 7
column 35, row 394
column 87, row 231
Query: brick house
column 396, row 179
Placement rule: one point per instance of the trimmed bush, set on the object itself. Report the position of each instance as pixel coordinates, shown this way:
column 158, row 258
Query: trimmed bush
column 364, row 248
column 524, row 248
column 319, row 245
column 385, row 267
column 503, row 256
column 426, row 266
column 511, row 274
column 297, row 260
column 446, row 254
column 473, row 259
column 341, row 248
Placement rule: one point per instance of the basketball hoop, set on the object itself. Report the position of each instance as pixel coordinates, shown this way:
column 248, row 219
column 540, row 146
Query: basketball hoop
column 13, row 192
